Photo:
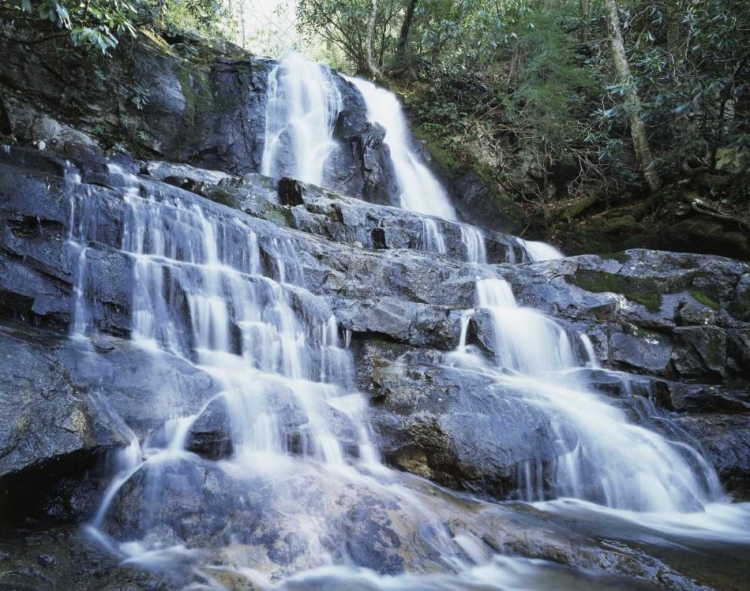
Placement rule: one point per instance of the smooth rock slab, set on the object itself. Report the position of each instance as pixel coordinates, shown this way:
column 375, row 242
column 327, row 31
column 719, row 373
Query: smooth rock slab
column 65, row 405
column 724, row 441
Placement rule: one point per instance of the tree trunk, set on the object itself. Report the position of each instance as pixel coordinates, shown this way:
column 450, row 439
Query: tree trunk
column 586, row 19
column 404, row 34
column 374, row 71
column 633, row 103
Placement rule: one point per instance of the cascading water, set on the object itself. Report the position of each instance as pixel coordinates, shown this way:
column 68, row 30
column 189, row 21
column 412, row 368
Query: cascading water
column 200, row 293
column 613, row 463
column 539, row 251
column 476, row 252
column 303, row 105
column 432, row 239
column 420, row 190
column 210, row 290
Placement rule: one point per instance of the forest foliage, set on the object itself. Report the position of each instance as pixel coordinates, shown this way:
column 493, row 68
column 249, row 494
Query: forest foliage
column 530, row 85
column 99, row 24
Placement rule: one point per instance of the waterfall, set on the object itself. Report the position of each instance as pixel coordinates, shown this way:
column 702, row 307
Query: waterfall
column 472, row 238
column 539, row 251
column 303, row 104
column 420, row 190
column 227, row 297
column 200, row 292
column 432, row 239
column 203, row 292
column 614, row 463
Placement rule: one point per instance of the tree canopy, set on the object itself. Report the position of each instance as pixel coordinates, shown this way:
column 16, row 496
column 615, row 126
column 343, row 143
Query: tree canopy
column 99, row 24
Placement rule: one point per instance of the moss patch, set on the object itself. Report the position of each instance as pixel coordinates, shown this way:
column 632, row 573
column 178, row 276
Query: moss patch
column 224, row 197
column 195, row 88
column 281, row 216
column 578, row 207
column 704, row 299
column 635, row 289
column 442, row 157
column 621, row 257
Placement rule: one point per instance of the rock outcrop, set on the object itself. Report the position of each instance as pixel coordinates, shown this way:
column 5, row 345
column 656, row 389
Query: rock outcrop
column 678, row 322
column 208, row 111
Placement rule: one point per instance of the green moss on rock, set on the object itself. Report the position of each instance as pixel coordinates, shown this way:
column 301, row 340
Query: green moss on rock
column 636, row 290
column 224, row 197
column 577, row 208
column 620, row 257
column 703, row 298
column 195, row 88
column 740, row 308
column 442, row 157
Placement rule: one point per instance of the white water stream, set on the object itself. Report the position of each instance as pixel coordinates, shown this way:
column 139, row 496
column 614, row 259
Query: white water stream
column 420, row 190
column 303, row 105
column 614, row 463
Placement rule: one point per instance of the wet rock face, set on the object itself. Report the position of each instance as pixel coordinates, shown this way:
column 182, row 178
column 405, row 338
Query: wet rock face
column 678, row 320
column 209, row 112
column 457, row 427
column 240, row 517
column 723, row 438
column 361, row 165
column 67, row 406
column 678, row 316
column 46, row 422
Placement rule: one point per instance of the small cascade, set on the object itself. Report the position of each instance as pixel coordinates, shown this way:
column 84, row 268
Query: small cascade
column 539, row 251
column 303, row 104
column 474, row 242
column 592, row 361
column 432, row 239
column 613, row 463
column 420, row 190
column 203, row 292
column 76, row 240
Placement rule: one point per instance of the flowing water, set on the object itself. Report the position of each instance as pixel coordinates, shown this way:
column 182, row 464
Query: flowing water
column 212, row 291
column 420, row 190
column 613, row 463
column 539, row 251
column 303, row 106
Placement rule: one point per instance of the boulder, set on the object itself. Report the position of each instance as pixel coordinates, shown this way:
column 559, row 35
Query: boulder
column 52, row 433
column 723, row 440
column 68, row 405
column 457, row 427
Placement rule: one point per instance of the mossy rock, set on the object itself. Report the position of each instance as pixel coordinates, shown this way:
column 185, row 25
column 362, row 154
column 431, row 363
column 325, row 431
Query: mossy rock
column 224, row 197
column 574, row 210
column 641, row 291
column 705, row 235
column 703, row 298
column 621, row 257
column 196, row 90
column 279, row 215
